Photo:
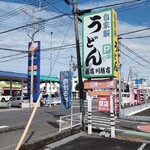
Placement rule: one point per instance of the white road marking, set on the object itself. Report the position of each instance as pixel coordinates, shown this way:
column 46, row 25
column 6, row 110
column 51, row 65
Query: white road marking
column 142, row 146
column 1, row 127
column 11, row 109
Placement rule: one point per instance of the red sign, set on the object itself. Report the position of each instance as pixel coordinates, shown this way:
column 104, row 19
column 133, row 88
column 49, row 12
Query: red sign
column 100, row 84
column 104, row 103
column 3, row 89
column 138, row 97
column 115, row 103
column 34, row 67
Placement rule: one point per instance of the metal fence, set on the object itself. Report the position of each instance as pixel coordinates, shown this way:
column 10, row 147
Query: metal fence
column 70, row 121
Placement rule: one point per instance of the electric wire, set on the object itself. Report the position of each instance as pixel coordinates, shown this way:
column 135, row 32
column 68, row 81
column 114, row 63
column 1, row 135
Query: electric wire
column 116, row 4
column 131, row 51
column 13, row 59
column 131, row 7
column 134, row 60
column 30, row 24
column 135, row 31
column 137, row 37
column 9, row 56
column 61, row 45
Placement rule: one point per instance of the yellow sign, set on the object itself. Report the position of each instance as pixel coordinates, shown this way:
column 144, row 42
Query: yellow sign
column 115, row 42
column 91, row 93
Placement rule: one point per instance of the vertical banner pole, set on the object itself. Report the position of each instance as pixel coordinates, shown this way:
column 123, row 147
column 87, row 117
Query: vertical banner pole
column 71, row 115
column 89, row 115
column 112, row 117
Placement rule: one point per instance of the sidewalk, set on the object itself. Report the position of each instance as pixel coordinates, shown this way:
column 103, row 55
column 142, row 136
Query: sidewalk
column 82, row 141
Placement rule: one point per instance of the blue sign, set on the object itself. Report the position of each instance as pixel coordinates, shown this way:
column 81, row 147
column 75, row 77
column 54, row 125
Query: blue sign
column 138, row 81
column 36, row 70
column 66, row 89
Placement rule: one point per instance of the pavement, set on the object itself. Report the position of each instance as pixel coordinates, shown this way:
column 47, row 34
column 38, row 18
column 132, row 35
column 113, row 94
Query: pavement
column 47, row 136
column 82, row 141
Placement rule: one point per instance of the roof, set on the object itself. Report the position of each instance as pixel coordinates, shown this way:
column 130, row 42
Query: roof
column 4, row 75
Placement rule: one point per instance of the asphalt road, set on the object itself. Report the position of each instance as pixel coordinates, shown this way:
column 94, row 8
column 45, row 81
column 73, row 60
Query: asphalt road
column 13, row 121
column 44, row 123
column 19, row 117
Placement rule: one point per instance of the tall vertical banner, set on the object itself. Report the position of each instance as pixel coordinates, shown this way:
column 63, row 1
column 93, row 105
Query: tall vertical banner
column 131, row 95
column 138, row 96
column 100, row 44
column 36, row 70
column 66, row 89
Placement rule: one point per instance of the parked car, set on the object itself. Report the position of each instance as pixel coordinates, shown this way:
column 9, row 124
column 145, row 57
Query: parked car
column 56, row 100
column 44, row 99
column 5, row 98
column 5, row 104
column 18, row 100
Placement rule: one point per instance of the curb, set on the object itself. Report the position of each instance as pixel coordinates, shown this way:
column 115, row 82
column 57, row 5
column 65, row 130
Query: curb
column 51, row 138
column 11, row 129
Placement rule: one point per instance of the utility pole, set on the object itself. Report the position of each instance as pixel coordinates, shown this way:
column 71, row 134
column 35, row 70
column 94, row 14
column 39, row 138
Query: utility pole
column 120, row 92
column 120, row 82
column 51, row 73
column 32, row 62
column 78, row 61
column 31, row 50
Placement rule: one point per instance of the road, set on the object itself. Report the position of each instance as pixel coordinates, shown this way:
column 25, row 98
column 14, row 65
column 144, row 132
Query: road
column 19, row 117
column 45, row 122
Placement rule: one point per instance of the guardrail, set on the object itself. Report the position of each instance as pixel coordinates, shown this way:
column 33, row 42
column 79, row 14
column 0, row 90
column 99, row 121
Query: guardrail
column 70, row 121
column 134, row 109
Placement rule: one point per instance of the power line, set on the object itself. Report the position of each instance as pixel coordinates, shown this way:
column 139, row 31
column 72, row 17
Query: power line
column 10, row 56
column 135, row 6
column 138, row 37
column 30, row 24
column 13, row 59
column 131, row 32
column 134, row 60
column 116, row 4
column 62, row 42
column 131, row 51
column 7, row 49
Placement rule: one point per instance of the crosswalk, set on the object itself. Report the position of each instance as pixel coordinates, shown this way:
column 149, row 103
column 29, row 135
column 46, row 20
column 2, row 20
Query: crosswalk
column 100, row 122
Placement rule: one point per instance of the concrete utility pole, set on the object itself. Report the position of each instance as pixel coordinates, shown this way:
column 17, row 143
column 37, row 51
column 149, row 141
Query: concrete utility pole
column 78, row 61
column 120, row 83
column 51, row 73
column 32, row 62
column 120, row 92
column 32, row 59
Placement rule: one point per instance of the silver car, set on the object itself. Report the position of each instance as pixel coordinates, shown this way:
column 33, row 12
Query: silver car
column 18, row 100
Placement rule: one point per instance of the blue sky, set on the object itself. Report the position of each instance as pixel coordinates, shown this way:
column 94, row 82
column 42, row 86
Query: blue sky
column 130, row 17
